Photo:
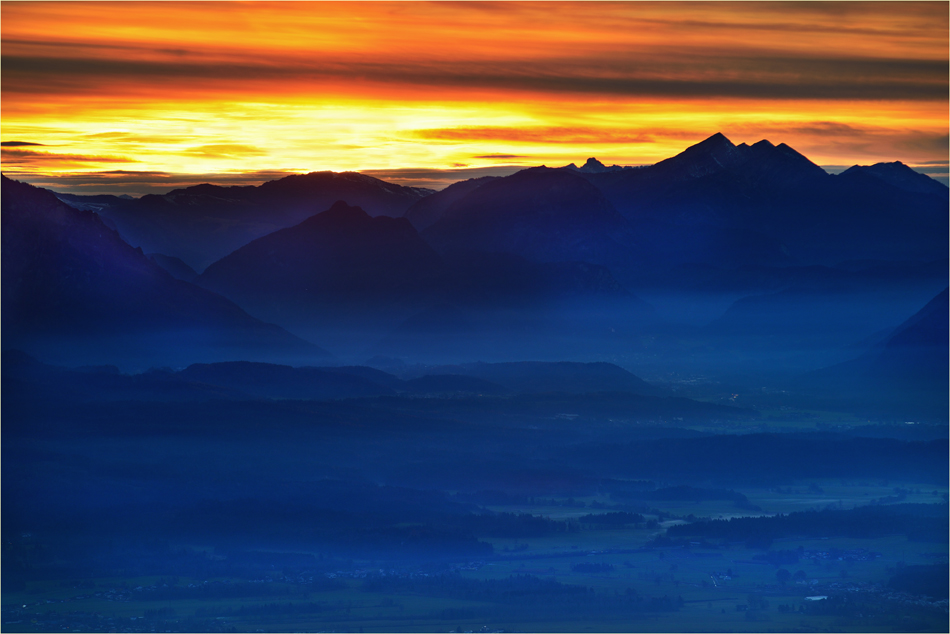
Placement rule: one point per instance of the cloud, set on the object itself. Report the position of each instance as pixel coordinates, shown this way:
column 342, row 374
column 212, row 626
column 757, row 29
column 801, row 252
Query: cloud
column 534, row 134
column 195, row 85
column 28, row 159
column 138, row 183
column 17, row 143
column 925, row 143
column 438, row 178
column 864, row 143
column 939, row 173
column 673, row 73
column 225, row 150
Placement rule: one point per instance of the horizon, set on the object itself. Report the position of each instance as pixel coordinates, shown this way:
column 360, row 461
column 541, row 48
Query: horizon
column 434, row 179
column 124, row 99
column 700, row 384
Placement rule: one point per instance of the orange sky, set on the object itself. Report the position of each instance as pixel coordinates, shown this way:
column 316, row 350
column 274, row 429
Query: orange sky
column 135, row 96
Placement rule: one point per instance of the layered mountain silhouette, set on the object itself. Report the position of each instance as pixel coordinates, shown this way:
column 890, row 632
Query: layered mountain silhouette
column 267, row 380
column 715, row 204
column 203, row 223
column 178, row 269
column 542, row 263
column 342, row 269
column 427, row 211
column 26, row 378
column 593, row 166
column 564, row 377
column 72, row 289
column 344, row 256
column 340, row 274
column 727, row 204
column 535, row 392
column 341, row 254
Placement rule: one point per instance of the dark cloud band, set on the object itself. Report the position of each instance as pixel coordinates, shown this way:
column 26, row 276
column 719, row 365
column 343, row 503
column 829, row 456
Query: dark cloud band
column 673, row 75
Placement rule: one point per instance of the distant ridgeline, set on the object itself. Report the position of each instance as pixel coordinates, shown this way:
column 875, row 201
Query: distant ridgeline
column 744, row 260
column 918, row 522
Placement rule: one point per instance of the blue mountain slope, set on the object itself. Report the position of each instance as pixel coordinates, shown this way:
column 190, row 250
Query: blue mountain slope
column 73, row 288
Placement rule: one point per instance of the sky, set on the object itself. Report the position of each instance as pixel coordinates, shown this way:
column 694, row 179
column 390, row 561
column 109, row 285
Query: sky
column 137, row 97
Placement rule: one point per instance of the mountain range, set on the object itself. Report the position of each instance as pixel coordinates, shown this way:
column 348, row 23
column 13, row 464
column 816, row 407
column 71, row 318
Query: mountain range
column 72, row 289
column 344, row 275
column 715, row 204
column 587, row 263
column 341, row 254
column 769, row 204
column 204, row 223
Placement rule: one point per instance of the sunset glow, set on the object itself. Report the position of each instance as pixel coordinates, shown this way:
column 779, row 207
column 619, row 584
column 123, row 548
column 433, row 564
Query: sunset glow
column 94, row 91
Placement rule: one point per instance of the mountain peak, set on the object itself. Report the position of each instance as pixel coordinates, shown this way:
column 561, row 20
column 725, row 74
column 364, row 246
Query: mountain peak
column 717, row 140
column 340, row 210
column 341, row 206
column 707, row 157
column 716, row 145
column 593, row 166
column 593, row 163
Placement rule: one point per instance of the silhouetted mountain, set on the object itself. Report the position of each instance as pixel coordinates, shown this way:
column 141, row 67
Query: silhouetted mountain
column 362, row 277
column 178, row 269
column 898, row 175
column 720, row 203
column 761, row 166
column 370, row 374
column 593, row 166
column 72, row 289
column 541, row 214
column 715, row 204
column 29, row 383
column 338, row 260
column 203, row 223
column 427, row 211
column 266, row 380
column 26, row 378
column 537, row 377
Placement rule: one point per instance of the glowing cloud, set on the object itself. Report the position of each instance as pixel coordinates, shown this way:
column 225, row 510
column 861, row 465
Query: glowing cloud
column 227, row 88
